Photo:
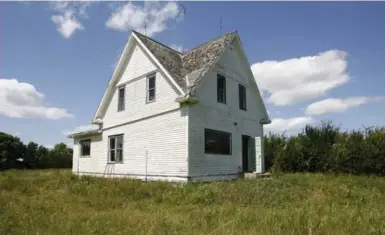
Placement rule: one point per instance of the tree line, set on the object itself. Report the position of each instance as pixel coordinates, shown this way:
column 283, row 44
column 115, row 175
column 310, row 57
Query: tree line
column 15, row 154
column 317, row 148
column 325, row 148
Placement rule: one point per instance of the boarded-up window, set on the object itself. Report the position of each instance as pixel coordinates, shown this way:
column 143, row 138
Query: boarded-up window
column 85, row 147
column 121, row 101
column 221, row 89
column 217, row 142
column 242, row 97
column 115, row 148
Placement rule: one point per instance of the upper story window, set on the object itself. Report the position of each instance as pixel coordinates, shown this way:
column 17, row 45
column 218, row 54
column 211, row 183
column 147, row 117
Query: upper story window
column 85, row 148
column 242, row 97
column 221, row 89
column 151, row 88
column 121, row 99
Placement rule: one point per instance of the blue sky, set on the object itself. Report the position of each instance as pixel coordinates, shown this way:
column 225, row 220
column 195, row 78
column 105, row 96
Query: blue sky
column 312, row 61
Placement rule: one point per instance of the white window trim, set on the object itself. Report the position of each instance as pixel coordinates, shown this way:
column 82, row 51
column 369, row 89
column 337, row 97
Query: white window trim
column 148, row 88
column 239, row 101
column 224, row 90
column 124, row 98
column 115, row 149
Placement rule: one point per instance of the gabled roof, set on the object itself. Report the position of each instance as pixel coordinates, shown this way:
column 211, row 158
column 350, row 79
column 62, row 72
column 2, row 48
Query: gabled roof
column 185, row 70
column 188, row 68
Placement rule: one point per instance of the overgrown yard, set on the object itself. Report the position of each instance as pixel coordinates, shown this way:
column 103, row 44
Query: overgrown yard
column 55, row 202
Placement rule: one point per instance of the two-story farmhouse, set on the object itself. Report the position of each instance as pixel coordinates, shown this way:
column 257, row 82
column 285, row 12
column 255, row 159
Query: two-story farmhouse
column 166, row 115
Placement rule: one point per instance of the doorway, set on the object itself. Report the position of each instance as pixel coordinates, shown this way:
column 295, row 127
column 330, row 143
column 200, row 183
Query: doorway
column 245, row 153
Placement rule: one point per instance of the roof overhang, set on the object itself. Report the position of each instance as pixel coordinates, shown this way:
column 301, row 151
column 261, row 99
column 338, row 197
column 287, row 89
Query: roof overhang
column 265, row 121
column 85, row 133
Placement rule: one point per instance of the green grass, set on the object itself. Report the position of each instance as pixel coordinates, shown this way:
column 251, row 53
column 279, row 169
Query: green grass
column 55, row 202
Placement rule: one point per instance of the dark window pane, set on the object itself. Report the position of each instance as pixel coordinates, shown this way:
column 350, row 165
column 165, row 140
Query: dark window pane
column 121, row 99
column 151, row 82
column 119, row 142
column 112, row 143
column 151, row 95
column 242, row 97
column 121, row 92
column 151, row 88
column 119, row 155
column 221, row 88
column 217, row 142
column 85, row 147
column 112, row 155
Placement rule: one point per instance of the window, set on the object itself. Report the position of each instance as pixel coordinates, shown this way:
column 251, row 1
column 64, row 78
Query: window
column 121, row 98
column 221, row 89
column 115, row 148
column 85, row 147
column 242, row 97
column 151, row 88
column 217, row 142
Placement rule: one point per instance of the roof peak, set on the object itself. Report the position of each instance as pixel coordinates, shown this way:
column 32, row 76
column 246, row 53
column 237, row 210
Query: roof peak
column 184, row 53
column 214, row 39
column 157, row 42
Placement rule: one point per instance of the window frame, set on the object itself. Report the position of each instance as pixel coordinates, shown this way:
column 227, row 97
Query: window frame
column 242, row 97
column 81, row 148
column 222, row 90
column 150, row 76
column 122, row 107
column 220, row 132
column 115, row 149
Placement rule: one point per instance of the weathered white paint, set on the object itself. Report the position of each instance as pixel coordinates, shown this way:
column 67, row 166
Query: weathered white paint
column 86, row 163
column 135, row 79
column 208, row 113
column 162, row 139
column 258, row 155
column 165, row 142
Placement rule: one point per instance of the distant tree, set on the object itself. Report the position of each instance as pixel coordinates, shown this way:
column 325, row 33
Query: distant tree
column 31, row 152
column 60, row 156
column 11, row 148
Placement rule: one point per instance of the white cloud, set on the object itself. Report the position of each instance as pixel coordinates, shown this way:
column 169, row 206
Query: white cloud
column 300, row 79
column 83, row 128
column 290, row 124
column 22, row 100
column 66, row 16
column 154, row 15
column 338, row 105
column 177, row 47
column 66, row 24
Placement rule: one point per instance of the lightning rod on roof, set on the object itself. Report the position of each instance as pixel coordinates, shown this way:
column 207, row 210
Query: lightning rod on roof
column 145, row 29
column 220, row 25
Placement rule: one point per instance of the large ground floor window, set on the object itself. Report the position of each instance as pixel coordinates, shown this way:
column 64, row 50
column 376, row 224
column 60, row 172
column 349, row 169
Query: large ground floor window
column 217, row 142
column 115, row 148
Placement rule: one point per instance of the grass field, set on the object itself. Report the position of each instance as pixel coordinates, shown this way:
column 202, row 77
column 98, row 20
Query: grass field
column 55, row 202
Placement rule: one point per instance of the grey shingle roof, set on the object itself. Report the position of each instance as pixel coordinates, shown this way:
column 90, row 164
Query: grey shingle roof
column 188, row 68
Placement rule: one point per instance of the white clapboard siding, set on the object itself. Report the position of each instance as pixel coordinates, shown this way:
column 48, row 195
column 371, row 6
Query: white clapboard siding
column 162, row 139
column 135, row 80
column 208, row 113
column 86, row 163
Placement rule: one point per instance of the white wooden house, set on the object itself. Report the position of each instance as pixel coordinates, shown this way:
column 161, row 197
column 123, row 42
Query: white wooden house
column 166, row 115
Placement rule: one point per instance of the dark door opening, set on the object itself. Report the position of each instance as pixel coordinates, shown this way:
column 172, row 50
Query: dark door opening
column 245, row 153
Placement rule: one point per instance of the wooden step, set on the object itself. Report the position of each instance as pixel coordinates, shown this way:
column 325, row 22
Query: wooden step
column 253, row 175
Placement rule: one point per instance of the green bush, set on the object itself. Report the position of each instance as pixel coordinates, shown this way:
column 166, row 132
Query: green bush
column 325, row 148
